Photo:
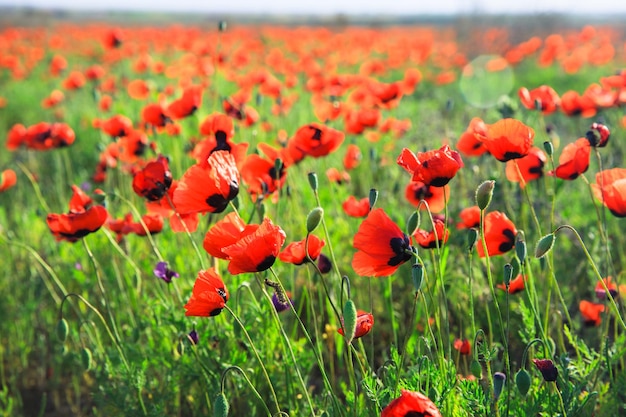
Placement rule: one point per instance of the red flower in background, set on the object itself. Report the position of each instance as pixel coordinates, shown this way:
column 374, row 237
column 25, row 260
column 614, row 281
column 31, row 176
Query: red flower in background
column 435, row 168
column 542, row 98
column 178, row 222
column 154, row 115
column 317, row 140
column 256, row 250
column 208, row 189
column 416, row 191
column 295, row 252
column 516, row 285
column 433, row 238
column 364, row 323
column 598, row 135
column 500, row 234
column 356, row 208
column 470, row 218
column 74, row 226
column 610, row 189
column 153, row 181
column 353, row 157
column 382, row 246
column 463, row 346
column 469, row 143
column 117, row 126
column 41, row 136
column 208, row 297
column 112, row 39
column 224, row 233
column 410, row 404
column 187, row 104
column 508, row 139
column 574, row 160
column 591, row 312
column 261, row 175
column 7, row 179
column 80, row 201
column 530, row 167
column 610, row 285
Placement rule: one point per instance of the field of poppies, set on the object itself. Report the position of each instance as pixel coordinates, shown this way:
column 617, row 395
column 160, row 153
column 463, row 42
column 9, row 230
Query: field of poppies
column 308, row 221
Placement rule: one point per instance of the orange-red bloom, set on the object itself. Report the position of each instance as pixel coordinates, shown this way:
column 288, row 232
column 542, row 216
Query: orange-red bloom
column 435, row 168
column 295, row 252
column 574, row 160
column 411, row 403
column 470, row 218
column 610, row 285
column 353, row 157
column 208, row 189
column 516, row 285
column 7, row 179
column 356, row 208
column 208, row 297
column 508, row 139
column 317, row 140
column 256, row 250
column 542, row 98
column 154, row 115
column 463, row 346
column 500, row 234
column 430, row 239
column 610, row 189
column 261, row 175
column 153, row 181
column 382, row 246
column 469, row 143
column 530, row 167
column 591, row 312
column 187, row 104
column 364, row 323
column 74, row 226
column 41, row 136
column 416, row 191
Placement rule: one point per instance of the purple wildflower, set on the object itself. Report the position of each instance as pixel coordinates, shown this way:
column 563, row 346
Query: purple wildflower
column 163, row 272
column 193, row 337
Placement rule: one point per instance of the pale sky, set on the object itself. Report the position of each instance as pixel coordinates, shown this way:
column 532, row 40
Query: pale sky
column 371, row 7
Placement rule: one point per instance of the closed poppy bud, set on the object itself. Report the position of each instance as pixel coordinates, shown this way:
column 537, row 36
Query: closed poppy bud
column 598, row 135
column 547, row 369
column 86, row 358
column 476, row 369
column 472, row 238
column 411, row 224
column 484, row 193
column 314, row 218
column 62, row 330
column 522, row 381
column 373, row 197
column 520, row 247
column 508, row 274
column 549, row 148
column 313, row 180
column 220, row 406
column 499, row 379
column 544, row 245
column 417, row 273
column 349, row 320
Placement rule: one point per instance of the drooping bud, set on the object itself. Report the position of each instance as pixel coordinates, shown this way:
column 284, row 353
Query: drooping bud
column 62, row 330
column 373, row 197
column 520, row 246
column 499, row 379
column 522, row 381
column 476, row 369
column 544, row 245
column 547, row 146
column 484, row 193
column 220, row 406
column 85, row 358
column 412, row 223
column 508, row 274
column 417, row 273
column 598, row 135
column 349, row 320
column 547, row 369
column 472, row 238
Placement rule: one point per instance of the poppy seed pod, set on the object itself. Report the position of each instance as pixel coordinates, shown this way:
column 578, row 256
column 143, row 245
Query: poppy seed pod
column 549, row 148
column 314, row 218
column 312, row 176
column 86, row 358
column 220, row 406
column 544, row 245
column 484, row 193
column 349, row 320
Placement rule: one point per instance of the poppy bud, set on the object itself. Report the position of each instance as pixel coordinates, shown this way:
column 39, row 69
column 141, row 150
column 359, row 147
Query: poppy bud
column 547, row 369
column 373, row 197
column 520, row 247
column 313, row 181
column 499, row 379
column 349, row 320
column 411, row 224
column 220, row 406
column 85, row 358
column 484, row 193
column 547, row 146
column 472, row 238
column 417, row 273
column 476, row 369
column 544, row 245
column 508, row 274
column 324, row 264
column 599, row 135
column 314, row 218
column 221, row 26
column 62, row 330
column 522, row 381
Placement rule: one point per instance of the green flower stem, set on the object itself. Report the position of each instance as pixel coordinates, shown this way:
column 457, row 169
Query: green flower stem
column 597, row 272
column 36, row 188
column 242, row 373
column 187, row 232
column 258, row 357
column 405, row 342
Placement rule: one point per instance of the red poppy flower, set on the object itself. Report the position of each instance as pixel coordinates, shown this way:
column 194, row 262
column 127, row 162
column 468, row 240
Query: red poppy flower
column 209, row 295
column 573, row 104
column 210, row 188
column 153, row 224
column 542, row 98
column 178, row 222
column 138, row 89
column 364, row 323
column 530, row 166
column 549, row 372
column 428, row 239
column 80, row 201
column 261, row 176
column 117, row 126
column 356, row 208
column 463, row 346
column 500, row 234
column 154, row 115
column 416, row 191
column 294, row 252
column 218, row 125
column 16, row 137
column 121, row 227
column 317, row 140
column 469, row 143
column 612, row 287
column 224, row 233
column 73, row 226
column 508, row 139
column 382, row 246
column 41, row 136
column 470, row 218
column 7, row 179
column 112, row 39
column 337, row 177
column 591, row 312
column 598, row 135
column 610, row 188
column 153, row 181
column 187, row 104
column 411, row 403
column 256, row 250
column 74, row 81
column 574, row 160
column 435, row 168
column 353, row 157
column 516, row 285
